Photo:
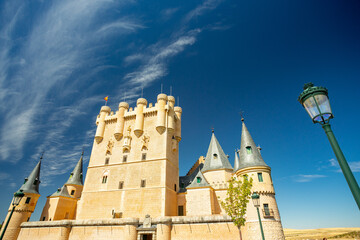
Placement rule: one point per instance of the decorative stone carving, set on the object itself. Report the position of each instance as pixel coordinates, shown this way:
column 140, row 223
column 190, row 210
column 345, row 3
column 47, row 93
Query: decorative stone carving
column 109, row 147
column 147, row 221
column 127, row 141
column 145, row 140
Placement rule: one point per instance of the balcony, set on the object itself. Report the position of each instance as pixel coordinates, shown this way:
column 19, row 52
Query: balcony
column 268, row 213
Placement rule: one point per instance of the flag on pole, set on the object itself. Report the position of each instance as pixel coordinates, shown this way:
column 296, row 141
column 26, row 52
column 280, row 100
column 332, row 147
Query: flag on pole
column 106, row 98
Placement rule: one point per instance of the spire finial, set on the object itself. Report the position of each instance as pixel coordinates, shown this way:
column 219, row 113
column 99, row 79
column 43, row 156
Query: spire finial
column 170, row 90
column 42, row 155
column 212, row 129
column 82, row 153
column 242, row 115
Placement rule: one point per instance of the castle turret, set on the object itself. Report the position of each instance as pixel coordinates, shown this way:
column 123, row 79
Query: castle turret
column 178, row 112
column 119, row 127
column 105, row 111
column 217, row 170
column 171, row 114
column 252, row 164
column 26, row 207
column 139, row 121
column 75, row 182
column 161, row 114
column 62, row 204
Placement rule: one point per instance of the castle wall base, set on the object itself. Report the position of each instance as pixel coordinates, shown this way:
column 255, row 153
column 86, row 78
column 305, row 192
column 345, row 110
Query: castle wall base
column 163, row 228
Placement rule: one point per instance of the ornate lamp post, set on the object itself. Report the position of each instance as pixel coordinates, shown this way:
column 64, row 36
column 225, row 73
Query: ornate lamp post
column 16, row 200
column 256, row 201
column 316, row 102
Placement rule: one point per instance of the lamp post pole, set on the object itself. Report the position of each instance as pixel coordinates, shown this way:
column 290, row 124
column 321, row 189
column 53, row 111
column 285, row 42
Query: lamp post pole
column 7, row 223
column 261, row 228
column 354, row 187
column 316, row 102
column 16, row 200
column 256, row 201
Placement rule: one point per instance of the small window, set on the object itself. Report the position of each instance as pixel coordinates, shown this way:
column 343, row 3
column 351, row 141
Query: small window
column 215, row 156
column 121, row 185
column 104, row 179
column 107, row 161
column 182, row 185
column 124, row 158
column 143, row 183
column 143, row 157
column 181, row 210
column 72, row 192
column 50, row 219
column 175, row 187
column 260, row 177
column 248, row 150
column 198, row 179
column 28, row 219
column 28, row 200
column 266, row 209
column 43, row 218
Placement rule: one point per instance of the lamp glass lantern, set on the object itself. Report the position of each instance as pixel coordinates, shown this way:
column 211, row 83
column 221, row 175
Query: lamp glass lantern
column 256, row 199
column 17, row 198
column 316, row 102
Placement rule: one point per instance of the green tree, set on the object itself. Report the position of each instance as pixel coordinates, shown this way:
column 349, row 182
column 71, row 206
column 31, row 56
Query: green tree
column 237, row 197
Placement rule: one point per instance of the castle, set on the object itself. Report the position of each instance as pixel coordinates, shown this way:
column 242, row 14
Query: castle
column 133, row 191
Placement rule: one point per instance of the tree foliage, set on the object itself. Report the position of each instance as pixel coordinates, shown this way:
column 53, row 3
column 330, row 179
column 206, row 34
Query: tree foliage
column 238, row 195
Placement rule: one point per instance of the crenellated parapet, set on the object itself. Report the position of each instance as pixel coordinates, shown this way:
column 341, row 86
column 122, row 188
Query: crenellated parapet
column 168, row 118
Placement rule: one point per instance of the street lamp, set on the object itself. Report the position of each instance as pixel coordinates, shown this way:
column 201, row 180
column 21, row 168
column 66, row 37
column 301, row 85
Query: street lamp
column 316, row 102
column 256, row 201
column 15, row 202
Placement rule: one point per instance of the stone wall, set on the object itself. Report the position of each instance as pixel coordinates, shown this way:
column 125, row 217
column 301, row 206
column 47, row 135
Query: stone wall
column 163, row 228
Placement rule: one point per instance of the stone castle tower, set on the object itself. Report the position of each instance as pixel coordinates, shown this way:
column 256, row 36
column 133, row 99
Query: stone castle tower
column 63, row 203
column 252, row 164
column 26, row 207
column 134, row 158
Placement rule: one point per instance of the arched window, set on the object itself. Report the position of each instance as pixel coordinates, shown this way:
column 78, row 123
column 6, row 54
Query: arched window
column 105, row 177
column 248, row 150
column 215, row 156
column 198, row 179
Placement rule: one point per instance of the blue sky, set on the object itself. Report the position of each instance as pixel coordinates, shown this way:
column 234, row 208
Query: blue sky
column 58, row 59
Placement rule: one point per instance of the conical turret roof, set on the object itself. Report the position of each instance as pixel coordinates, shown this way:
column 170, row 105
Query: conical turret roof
column 31, row 183
column 61, row 192
column 249, row 154
column 236, row 161
column 199, row 181
column 76, row 176
column 215, row 157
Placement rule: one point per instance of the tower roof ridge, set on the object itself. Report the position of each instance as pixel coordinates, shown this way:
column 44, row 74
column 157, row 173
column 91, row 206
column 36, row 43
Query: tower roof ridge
column 215, row 157
column 249, row 153
column 32, row 182
column 76, row 176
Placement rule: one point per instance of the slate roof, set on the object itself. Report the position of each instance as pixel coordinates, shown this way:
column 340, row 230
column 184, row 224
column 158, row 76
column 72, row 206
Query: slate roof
column 31, row 183
column 199, row 181
column 236, row 161
column 247, row 159
column 61, row 192
column 187, row 180
column 215, row 157
column 76, row 176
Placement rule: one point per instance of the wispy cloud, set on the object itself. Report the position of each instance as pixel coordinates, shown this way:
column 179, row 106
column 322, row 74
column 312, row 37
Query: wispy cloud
column 156, row 57
column 306, row 178
column 354, row 166
column 62, row 40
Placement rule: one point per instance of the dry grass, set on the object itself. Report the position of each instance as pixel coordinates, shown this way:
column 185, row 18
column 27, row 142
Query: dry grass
column 319, row 234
